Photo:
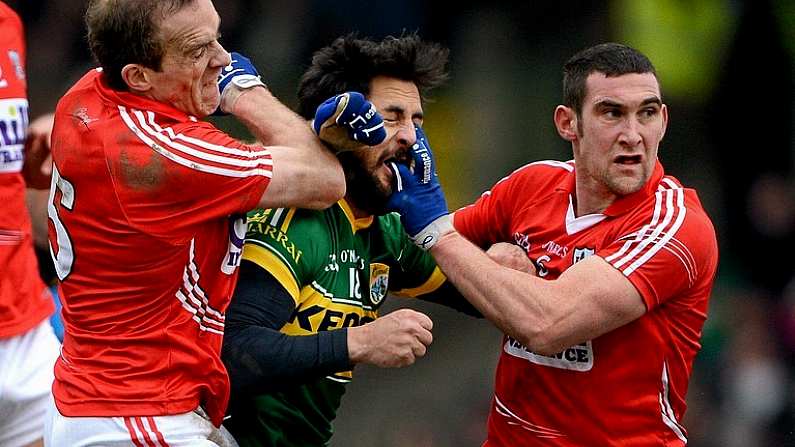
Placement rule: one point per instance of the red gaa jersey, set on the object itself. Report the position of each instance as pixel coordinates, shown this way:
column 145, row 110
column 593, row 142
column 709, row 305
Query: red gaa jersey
column 626, row 387
column 146, row 231
column 24, row 299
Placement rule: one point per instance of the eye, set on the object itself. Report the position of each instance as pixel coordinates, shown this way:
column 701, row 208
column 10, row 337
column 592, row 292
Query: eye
column 649, row 112
column 613, row 113
column 199, row 52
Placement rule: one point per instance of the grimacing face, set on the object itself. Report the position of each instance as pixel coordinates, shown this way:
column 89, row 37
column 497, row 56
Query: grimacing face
column 192, row 61
column 622, row 123
column 369, row 178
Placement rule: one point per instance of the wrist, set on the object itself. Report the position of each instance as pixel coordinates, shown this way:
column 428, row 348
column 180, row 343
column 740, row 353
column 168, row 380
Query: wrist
column 356, row 337
column 433, row 232
column 235, row 90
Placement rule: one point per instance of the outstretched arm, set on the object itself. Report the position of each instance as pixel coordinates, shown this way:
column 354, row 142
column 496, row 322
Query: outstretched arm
column 305, row 173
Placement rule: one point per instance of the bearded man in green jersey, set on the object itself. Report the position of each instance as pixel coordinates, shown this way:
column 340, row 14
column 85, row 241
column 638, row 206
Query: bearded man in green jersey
column 305, row 310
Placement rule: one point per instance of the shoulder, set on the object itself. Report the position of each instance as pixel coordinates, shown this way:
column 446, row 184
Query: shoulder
column 289, row 226
column 538, row 176
column 287, row 220
column 674, row 219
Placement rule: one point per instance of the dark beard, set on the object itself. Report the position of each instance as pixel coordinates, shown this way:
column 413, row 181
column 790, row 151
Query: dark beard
column 363, row 189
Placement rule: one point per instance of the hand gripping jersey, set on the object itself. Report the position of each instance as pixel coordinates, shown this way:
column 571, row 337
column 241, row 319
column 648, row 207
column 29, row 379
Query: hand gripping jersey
column 626, row 387
column 146, row 233
column 24, row 299
column 339, row 270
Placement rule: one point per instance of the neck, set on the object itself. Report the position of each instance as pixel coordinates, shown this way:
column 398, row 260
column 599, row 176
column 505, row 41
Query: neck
column 589, row 199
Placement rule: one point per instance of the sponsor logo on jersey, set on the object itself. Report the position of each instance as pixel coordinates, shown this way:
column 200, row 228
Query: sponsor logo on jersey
column 379, row 282
column 581, row 253
column 258, row 228
column 575, row 358
column 13, row 125
column 314, row 318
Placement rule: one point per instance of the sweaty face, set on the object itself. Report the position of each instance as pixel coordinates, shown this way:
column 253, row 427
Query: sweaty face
column 192, row 61
column 622, row 123
column 366, row 171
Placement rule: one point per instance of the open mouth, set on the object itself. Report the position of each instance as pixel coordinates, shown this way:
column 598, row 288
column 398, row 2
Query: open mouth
column 401, row 157
column 628, row 159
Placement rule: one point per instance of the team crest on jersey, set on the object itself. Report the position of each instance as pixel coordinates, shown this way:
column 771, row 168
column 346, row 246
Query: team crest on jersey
column 379, row 282
column 581, row 253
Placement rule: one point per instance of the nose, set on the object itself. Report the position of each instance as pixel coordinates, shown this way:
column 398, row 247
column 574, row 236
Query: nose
column 221, row 57
column 406, row 136
column 630, row 135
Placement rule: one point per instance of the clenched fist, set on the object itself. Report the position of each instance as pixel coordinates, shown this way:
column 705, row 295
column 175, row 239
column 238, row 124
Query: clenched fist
column 392, row 341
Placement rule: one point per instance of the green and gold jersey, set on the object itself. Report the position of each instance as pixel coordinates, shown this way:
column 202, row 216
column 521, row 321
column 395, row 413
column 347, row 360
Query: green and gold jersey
column 338, row 269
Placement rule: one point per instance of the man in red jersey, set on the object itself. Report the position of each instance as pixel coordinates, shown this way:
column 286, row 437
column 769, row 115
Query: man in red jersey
column 147, row 225
column 28, row 346
column 599, row 343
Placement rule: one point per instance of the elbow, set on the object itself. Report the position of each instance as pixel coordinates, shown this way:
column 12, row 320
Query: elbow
column 331, row 190
column 335, row 187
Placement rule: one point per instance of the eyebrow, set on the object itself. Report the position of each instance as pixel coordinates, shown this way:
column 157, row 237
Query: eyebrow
column 645, row 102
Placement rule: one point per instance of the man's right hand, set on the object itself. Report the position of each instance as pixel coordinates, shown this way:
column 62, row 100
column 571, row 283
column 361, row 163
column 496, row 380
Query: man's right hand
column 349, row 121
column 511, row 256
column 392, row 341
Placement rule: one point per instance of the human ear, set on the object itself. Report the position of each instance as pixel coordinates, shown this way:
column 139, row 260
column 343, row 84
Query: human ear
column 136, row 77
column 566, row 122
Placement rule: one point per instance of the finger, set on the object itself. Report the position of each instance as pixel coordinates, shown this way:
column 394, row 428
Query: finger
column 423, row 163
column 419, row 350
column 424, row 321
column 342, row 102
column 424, row 336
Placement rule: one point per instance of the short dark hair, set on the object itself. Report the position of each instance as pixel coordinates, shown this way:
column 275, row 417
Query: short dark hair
column 122, row 32
column 611, row 59
column 350, row 63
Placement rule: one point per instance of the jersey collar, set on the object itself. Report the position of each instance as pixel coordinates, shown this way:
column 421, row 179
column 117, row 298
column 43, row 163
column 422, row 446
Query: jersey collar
column 356, row 224
column 131, row 100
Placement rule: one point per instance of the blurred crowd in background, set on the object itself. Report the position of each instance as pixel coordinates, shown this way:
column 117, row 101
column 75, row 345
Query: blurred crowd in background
column 727, row 70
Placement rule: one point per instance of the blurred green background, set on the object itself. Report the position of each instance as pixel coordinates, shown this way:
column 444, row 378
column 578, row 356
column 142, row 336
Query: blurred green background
column 727, row 72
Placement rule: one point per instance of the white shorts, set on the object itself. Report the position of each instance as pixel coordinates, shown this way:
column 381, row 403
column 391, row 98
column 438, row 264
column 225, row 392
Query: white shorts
column 26, row 365
column 187, row 429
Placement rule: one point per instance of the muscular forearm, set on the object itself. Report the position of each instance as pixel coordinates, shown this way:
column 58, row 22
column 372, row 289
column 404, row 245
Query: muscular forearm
column 260, row 359
column 508, row 298
column 587, row 300
column 273, row 123
column 306, row 173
